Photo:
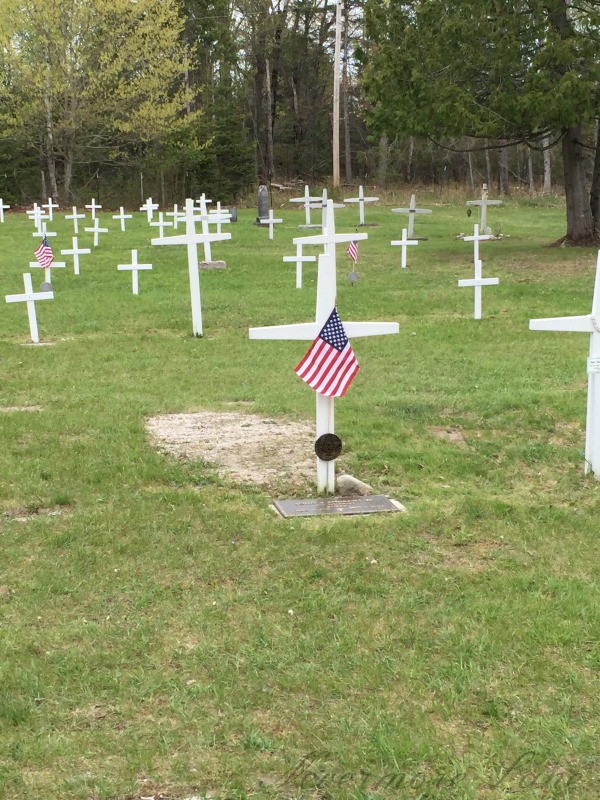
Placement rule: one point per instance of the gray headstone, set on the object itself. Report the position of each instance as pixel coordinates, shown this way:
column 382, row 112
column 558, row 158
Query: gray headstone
column 263, row 203
column 233, row 212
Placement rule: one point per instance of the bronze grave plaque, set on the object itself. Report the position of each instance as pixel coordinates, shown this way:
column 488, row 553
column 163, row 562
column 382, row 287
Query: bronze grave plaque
column 371, row 504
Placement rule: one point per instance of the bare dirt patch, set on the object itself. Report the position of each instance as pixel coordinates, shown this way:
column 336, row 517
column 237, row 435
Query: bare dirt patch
column 27, row 512
column 246, row 447
column 450, row 435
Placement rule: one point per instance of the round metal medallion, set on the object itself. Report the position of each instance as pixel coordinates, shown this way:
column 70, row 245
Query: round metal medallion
column 328, row 446
column 45, row 286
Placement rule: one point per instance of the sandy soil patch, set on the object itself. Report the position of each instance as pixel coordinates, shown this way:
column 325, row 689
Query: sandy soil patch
column 246, row 447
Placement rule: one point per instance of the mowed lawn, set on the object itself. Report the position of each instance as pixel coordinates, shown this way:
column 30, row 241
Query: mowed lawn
column 165, row 634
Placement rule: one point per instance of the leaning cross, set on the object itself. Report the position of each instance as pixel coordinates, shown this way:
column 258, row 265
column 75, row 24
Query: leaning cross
column 306, row 201
column 326, row 296
column 122, row 216
column 404, row 242
column 361, row 200
column 76, row 252
column 149, row 207
column 96, row 230
column 483, row 204
column 93, row 206
column 191, row 239
column 2, row 209
column 297, row 260
column 30, row 297
column 588, row 323
column 75, row 217
column 270, row 221
column 412, row 211
column 477, row 282
column 134, row 267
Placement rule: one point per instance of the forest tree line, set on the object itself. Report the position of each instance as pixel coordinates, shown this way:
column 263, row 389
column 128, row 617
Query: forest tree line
column 128, row 98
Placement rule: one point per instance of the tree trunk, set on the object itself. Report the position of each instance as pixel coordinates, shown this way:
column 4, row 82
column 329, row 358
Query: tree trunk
column 269, row 117
column 580, row 226
column 382, row 166
column 471, row 179
column 488, row 166
column 530, row 171
column 503, row 182
column 547, row 166
column 595, row 190
column 345, row 108
column 409, row 160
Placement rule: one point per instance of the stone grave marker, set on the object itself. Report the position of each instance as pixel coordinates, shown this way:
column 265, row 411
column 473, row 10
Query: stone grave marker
column 263, row 203
column 30, row 298
column 588, row 323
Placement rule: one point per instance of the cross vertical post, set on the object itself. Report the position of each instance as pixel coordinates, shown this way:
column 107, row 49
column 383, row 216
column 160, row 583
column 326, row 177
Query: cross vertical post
column 403, row 243
column 30, row 297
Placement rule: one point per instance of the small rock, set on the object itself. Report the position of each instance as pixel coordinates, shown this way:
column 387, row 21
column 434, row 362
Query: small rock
column 348, row 484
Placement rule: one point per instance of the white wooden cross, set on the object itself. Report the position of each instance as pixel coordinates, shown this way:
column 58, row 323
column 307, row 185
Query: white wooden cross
column 191, row 239
column 75, row 217
column 588, row 323
column 404, row 242
column 297, row 260
column 122, row 216
column 203, row 215
column 36, row 215
column 149, row 207
column 270, row 221
column 323, row 205
column 43, row 232
column 30, row 297
column 326, row 298
column 220, row 216
column 93, row 206
column 306, row 201
column 2, row 209
column 134, row 267
column 329, row 238
column 477, row 282
column 76, row 251
column 483, row 205
column 161, row 225
column 96, row 230
column 412, row 211
column 50, row 206
column 176, row 216
column 361, row 200
column 476, row 238
column 48, row 269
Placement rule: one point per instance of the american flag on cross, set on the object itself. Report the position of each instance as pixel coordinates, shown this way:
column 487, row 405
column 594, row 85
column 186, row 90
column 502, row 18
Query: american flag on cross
column 44, row 254
column 330, row 365
column 353, row 251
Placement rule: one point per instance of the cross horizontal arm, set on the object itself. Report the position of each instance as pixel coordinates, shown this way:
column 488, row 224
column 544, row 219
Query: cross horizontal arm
column 197, row 238
column 583, row 324
column 336, row 238
column 356, row 329
column 301, row 331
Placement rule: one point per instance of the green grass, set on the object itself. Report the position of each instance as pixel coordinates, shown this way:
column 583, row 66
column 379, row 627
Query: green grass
column 147, row 646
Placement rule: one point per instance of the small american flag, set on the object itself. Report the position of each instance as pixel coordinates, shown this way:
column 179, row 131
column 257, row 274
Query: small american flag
column 330, row 365
column 44, row 254
column 353, row 251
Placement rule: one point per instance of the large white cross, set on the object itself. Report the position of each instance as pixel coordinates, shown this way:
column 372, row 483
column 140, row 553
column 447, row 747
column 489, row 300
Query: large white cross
column 93, row 206
column 75, row 217
column 96, row 230
column 476, row 238
column 161, row 224
column 361, row 200
column 308, row 331
column 76, row 252
column 297, row 260
column 412, row 211
column 47, row 270
column 2, row 209
column 404, row 243
column 30, row 297
column 483, row 204
column 149, row 207
column 588, row 323
column 270, row 221
column 122, row 216
column 306, row 201
column 191, row 239
column 50, row 206
column 477, row 282
column 134, row 267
